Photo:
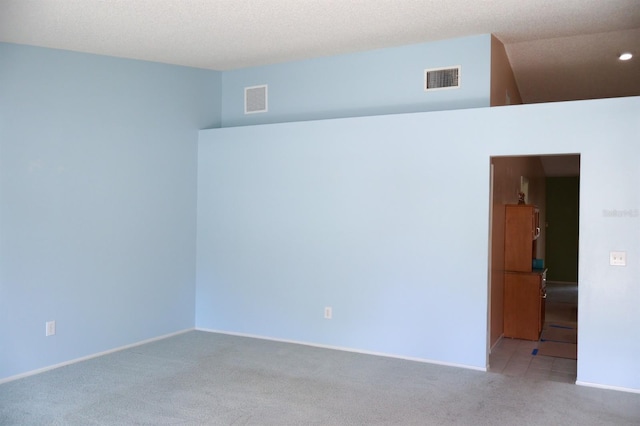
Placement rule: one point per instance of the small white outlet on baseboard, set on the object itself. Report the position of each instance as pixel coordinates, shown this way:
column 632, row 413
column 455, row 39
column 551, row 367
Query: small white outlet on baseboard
column 328, row 312
column 50, row 328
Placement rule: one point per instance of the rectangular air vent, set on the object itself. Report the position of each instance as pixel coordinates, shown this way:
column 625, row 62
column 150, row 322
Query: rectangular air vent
column 255, row 99
column 442, row 78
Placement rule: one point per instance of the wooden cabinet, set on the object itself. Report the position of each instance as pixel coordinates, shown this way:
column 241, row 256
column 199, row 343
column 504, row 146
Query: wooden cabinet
column 521, row 231
column 524, row 300
column 524, row 288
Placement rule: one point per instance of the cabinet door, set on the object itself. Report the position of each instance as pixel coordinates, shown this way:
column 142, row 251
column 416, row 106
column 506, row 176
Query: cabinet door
column 522, row 306
column 519, row 234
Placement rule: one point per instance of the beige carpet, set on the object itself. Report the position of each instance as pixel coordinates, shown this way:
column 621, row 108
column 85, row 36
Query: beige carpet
column 199, row 378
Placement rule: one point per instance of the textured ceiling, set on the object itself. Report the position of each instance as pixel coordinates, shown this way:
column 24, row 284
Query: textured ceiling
column 559, row 49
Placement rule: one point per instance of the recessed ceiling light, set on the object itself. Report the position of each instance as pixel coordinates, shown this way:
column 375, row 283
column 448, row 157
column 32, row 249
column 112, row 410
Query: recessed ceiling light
column 625, row 56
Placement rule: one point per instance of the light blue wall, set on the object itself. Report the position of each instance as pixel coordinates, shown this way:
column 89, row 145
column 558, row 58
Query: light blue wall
column 97, row 201
column 383, row 81
column 386, row 220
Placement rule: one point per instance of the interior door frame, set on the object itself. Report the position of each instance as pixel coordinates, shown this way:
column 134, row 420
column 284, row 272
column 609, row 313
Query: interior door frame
column 490, row 257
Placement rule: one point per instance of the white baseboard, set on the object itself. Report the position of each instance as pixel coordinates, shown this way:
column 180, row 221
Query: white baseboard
column 599, row 386
column 85, row 358
column 344, row 349
column 338, row 348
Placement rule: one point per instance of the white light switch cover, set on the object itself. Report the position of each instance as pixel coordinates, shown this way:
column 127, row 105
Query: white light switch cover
column 50, row 328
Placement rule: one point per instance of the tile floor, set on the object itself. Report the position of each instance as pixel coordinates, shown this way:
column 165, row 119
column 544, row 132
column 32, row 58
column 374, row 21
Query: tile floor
column 514, row 357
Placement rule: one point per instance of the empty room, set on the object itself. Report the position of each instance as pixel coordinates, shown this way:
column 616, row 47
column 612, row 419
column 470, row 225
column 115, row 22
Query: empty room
column 302, row 212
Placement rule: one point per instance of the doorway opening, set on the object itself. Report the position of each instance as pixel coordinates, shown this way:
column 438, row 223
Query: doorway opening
column 532, row 318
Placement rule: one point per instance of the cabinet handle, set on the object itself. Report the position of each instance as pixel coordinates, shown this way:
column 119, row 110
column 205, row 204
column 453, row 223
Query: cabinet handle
column 537, row 234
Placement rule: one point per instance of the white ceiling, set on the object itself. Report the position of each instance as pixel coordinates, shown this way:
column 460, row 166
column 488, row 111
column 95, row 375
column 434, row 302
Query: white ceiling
column 559, row 49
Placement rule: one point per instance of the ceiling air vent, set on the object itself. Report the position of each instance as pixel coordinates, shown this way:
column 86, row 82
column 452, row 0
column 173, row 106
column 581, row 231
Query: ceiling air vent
column 255, row 99
column 442, row 78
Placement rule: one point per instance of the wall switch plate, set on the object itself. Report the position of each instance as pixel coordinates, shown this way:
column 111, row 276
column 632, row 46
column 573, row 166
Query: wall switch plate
column 50, row 328
column 328, row 312
column 618, row 258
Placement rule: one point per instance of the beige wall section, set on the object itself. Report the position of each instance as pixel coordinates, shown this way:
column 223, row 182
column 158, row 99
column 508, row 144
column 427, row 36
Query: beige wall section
column 504, row 90
column 506, row 185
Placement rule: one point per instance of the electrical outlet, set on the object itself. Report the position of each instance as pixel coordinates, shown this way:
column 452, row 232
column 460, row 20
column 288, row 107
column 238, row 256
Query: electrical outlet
column 50, row 328
column 328, row 312
column 618, row 258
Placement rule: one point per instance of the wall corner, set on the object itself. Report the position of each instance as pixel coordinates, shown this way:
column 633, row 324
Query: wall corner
column 504, row 88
